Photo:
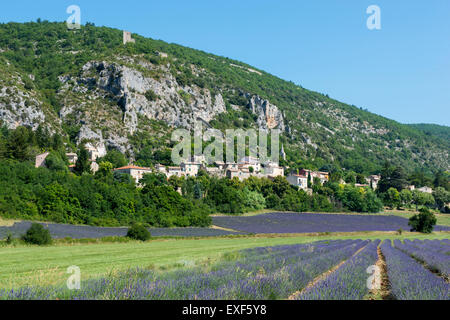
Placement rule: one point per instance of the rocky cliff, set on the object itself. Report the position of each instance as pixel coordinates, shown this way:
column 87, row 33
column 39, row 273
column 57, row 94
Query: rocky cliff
column 92, row 89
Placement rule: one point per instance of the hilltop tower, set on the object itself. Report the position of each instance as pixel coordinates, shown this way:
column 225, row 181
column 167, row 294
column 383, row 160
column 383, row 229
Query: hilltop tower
column 127, row 37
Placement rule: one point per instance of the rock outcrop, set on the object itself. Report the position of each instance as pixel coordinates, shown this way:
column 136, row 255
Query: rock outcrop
column 269, row 116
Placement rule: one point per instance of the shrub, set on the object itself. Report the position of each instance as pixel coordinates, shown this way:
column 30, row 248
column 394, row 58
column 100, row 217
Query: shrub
column 423, row 222
column 9, row 238
column 138, row 232
column 151, row 95
column 37, row 234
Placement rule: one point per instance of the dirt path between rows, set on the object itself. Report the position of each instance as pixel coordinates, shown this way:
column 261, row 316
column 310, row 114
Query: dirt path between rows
column 323, row 276
column 384, row 293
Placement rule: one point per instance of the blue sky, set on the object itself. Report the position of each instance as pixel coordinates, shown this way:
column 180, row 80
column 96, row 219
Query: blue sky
column 401, row 71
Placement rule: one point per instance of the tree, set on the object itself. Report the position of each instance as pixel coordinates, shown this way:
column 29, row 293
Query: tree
column 392, row 177
column 423, row 222
column 37, row 234
column 57, row 142
column 105, row 169
column 198, row 192
column 175, row 182
column 138, row 232
column 153, row 179
column 360, row 178
column 374, row 204
column 392, row 198
column 254, row 200
column 316, row 181
column 115, row 157
column 406, row 197
column 422, row 198
column 83, row 163
column 441, row 180
column 441, row 197
column 18, row 144
column 350, row 177
column 336, row 176
column 54, row 161
column 420, row 179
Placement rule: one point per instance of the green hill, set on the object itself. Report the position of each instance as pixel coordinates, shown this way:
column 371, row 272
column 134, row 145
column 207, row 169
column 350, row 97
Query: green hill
column 90, row 87
column 442, row 132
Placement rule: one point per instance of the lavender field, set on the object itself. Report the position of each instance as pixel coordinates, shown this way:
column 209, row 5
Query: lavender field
column 79, row 232
column 277, row 222
column 324, row 270
column 274, row 222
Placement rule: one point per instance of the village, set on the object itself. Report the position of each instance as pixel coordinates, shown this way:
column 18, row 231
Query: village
column 243, row 169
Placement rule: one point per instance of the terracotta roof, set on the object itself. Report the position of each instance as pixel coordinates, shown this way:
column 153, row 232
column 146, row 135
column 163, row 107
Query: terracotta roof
column 132, row 167
column 300, row 176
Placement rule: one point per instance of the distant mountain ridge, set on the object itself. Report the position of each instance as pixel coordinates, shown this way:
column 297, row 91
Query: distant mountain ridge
column 439, row 131
column 90, row 87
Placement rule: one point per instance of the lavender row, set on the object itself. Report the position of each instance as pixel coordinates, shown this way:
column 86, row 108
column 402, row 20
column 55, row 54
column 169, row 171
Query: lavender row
column 277, row 222
column 426, row 253
column 283, row 281
column 409, row 280
column 349, row 282
column 440, row 246
column 80, row 232
column 269, row 276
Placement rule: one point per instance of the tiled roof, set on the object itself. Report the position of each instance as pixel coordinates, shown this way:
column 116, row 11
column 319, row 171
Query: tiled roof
column 132, row 167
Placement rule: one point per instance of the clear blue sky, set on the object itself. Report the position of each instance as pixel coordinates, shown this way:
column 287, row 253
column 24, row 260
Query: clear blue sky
column 401, row 71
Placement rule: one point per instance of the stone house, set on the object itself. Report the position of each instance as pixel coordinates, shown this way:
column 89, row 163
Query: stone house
column 321, row 175
column 40, row 160
column 175, row 171
column 272, row 170
column 373, row 181
column 72, row 157
column 137, row 173
column 241, row 174
column 298, row 180
column 425, row 189
column 251, row 162
column 190, row 168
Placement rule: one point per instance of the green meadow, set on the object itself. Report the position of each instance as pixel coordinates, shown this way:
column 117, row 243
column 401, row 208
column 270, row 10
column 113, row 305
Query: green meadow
column 22, row 265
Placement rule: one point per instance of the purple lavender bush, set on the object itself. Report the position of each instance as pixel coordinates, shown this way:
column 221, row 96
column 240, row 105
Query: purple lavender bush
column 410, row 280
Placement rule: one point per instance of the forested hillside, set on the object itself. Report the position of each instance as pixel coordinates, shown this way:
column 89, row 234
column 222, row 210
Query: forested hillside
column 433, row 130
column 88, row 86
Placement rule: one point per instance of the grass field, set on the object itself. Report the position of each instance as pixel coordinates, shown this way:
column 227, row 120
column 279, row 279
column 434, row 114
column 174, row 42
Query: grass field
column 442, row 219
column 29, row 265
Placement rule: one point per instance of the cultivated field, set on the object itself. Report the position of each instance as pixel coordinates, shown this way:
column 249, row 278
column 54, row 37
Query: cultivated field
column 277, row 222
column 30, row 265
column 258, row 223
column 256, row 256
column 327, row 269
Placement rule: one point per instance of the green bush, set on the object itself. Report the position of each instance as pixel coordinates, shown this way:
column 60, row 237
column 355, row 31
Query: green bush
column 37, row 234
column 138, row 232
column 151, row 95
column 423, row 222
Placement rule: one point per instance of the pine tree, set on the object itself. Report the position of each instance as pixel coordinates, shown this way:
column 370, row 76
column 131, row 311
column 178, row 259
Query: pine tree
column 83, row 163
